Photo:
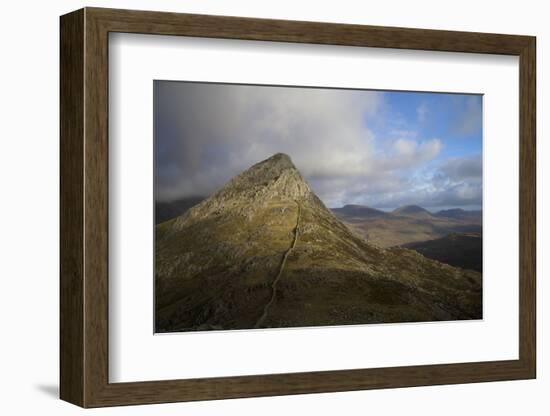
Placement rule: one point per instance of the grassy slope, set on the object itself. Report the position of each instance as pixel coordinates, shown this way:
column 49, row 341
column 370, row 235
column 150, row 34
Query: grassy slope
column 217, row 273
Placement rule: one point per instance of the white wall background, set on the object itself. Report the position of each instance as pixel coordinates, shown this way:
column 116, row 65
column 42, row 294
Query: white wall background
column 29, row 160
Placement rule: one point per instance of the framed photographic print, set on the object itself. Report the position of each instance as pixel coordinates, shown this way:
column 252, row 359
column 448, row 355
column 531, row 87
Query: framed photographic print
column 256, row 207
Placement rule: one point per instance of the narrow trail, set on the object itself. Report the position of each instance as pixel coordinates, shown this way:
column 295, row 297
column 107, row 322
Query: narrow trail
column 262, row 318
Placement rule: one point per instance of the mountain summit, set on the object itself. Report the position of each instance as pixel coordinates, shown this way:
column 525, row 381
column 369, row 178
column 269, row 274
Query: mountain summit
column 274, row 180
column 264, row 251
column 412, row 211
column 270, row 178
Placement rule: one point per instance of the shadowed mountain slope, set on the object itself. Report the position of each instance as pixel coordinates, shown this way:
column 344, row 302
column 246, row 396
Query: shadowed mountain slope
column 165, row 211
column 459, row 250
column 264, row 251
column 360, row 211
column 460, row 214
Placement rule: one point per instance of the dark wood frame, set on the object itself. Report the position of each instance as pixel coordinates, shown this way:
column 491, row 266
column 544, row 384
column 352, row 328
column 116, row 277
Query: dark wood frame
column 84, row 209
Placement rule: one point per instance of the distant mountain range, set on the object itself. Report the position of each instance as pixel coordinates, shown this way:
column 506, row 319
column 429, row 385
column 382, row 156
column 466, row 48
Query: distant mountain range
column 452, row 236
column 413, row 211
column 460, row 214
column 165, row 211
column 454, row 213
column 360, row 210
column 407, row 224
column 265, row 252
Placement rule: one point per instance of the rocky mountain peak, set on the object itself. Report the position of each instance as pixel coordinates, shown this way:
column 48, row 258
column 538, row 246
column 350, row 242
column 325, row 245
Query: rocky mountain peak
column 280, row 160
column 273, row 180
column 267, row 170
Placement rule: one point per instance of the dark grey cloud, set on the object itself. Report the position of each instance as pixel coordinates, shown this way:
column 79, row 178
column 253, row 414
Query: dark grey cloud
column 206, row 133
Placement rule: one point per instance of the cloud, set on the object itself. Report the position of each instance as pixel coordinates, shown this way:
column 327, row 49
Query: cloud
column 463, row 168
column 469, row 115
column 410, row 153
column 422, row 112
column 207, row 133
column 455, row 182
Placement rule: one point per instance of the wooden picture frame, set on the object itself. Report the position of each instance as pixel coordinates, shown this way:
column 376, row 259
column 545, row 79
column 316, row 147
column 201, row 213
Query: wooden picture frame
column 84, row 207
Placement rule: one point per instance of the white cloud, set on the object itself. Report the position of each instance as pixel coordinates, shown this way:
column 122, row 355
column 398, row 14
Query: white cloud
column 404, row 147
column 407, row 154
column 422, row 112
column 208, row 133
column 463, row 168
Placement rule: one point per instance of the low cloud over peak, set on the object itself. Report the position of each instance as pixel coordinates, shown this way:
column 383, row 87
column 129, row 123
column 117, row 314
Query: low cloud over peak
column 343, row 141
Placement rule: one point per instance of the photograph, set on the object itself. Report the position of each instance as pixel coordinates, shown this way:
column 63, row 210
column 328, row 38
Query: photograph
column 298, row 206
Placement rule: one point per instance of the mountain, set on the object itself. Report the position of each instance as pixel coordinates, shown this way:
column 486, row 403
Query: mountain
column 459, row 250
column 264, row 251
column 388, row 229
column 165, row 211
column 412, row 211
column 460, row 214
column 360, row 211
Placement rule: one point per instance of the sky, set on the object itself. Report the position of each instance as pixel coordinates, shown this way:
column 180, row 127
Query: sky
column 383, row 149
